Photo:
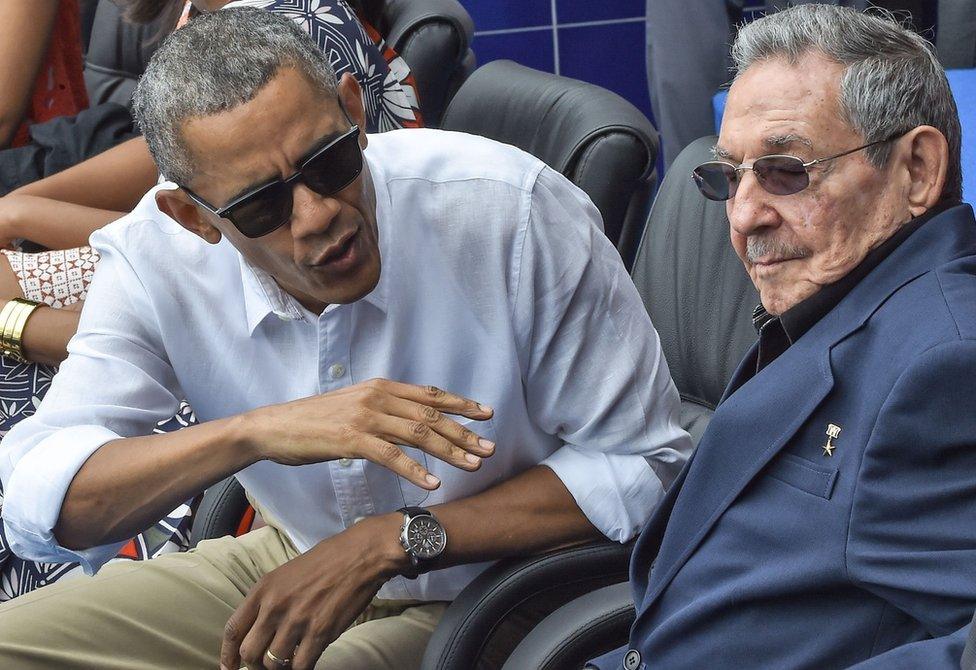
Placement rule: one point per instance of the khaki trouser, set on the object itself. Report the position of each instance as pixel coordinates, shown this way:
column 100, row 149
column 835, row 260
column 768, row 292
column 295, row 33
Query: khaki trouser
column 170, row 613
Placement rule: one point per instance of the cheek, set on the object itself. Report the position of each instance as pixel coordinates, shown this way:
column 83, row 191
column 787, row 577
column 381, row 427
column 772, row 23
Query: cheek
column 739, row 244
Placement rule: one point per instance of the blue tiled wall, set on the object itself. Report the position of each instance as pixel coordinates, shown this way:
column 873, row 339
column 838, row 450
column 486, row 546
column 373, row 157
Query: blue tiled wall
column 599, row 41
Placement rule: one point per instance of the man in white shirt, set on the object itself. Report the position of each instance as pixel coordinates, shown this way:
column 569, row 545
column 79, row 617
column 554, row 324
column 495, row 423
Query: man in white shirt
column 310, row 300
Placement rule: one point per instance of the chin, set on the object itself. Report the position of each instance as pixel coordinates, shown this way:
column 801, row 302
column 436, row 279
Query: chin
column 331, row 290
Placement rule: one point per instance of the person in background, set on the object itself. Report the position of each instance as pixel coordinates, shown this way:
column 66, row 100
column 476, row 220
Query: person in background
column 40, row 66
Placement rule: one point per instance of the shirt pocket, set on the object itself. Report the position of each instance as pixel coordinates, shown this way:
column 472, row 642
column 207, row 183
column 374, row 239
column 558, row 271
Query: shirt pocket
column 810, row 477
column 414, row 496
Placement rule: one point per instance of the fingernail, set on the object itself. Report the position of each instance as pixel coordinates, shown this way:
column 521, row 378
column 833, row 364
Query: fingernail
column 472, row 459
column 432, row 480
column 485, row 408
column 487, row 444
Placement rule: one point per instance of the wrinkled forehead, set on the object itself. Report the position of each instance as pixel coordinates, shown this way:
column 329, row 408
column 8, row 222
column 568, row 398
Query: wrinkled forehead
column 778, row 106
column 261, row 139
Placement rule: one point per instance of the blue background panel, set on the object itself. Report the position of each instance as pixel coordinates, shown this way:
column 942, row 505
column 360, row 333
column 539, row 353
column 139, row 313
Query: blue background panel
column 532, row 48
column 611, row 56
column 603, row 42
column 576, row 11
column 507, row 14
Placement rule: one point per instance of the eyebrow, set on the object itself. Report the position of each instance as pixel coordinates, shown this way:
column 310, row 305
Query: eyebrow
column 775, row 142
column 783, row 141
column 321, row 142
column 720, row 153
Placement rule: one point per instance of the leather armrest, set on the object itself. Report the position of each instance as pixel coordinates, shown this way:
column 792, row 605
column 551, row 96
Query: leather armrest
column 220, row 511
column 552, row 579
column 433, row 38
column 582, row 629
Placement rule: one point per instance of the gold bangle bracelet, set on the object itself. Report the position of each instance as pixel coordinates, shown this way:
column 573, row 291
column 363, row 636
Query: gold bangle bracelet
column 7, row 316
column 12, row 333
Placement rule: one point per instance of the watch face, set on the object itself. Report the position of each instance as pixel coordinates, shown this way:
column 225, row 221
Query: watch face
column 426, row 537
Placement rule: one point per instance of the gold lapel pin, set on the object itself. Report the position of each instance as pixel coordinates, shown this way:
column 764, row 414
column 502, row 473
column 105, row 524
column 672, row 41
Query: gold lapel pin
column 833, row 432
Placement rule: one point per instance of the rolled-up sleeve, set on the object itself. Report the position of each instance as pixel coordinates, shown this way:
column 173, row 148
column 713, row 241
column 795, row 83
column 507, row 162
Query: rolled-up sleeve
column 595, row 372
column 116, row 382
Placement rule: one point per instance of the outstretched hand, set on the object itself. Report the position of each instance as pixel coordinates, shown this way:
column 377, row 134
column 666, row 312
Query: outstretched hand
column 369, row 420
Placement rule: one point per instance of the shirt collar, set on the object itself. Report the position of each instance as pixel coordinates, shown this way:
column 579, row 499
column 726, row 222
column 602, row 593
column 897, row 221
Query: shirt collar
column 800, row 318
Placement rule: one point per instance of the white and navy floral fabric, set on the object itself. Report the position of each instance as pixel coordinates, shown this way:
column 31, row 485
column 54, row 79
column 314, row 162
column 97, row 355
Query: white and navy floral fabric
column 389, row 90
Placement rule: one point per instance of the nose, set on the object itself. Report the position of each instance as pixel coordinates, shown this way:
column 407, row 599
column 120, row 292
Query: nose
column 312, row 214
column 751, row 209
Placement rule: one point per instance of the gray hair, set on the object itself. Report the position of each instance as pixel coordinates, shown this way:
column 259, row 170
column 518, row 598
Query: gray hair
column 893, row 80
column 215, row 63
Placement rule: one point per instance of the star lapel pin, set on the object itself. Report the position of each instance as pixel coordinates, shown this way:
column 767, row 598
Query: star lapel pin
column 833, row 432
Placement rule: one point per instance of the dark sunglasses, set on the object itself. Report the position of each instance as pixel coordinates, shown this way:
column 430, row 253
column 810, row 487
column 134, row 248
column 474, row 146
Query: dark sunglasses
column 266, row 208
column 777, row 174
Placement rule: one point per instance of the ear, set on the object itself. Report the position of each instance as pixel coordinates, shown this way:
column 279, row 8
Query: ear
column 351, row 98
column 924, row 154
column 177, row 205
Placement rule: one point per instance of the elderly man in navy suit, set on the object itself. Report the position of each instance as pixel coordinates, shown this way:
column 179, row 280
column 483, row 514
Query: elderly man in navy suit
column 828, row 517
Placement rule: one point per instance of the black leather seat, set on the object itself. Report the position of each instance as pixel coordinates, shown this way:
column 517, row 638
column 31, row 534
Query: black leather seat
column 432, row 36
column 969, row 653
column 601, row 142
column 700, row 300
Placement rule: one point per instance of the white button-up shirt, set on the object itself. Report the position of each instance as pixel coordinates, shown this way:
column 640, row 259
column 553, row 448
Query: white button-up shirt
column 497, row 284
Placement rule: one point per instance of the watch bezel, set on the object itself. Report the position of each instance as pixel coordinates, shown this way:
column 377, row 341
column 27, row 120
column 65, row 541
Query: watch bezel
column 419, row 560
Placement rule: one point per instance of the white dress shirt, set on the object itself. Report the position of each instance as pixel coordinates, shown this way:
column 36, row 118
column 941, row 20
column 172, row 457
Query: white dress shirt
column 497, row 284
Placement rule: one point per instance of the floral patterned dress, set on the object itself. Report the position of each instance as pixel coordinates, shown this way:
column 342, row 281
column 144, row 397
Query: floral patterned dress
column 389, row 90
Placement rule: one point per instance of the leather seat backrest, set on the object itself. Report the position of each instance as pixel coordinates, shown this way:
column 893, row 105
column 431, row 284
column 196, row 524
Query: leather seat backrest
column 696, row 291
column 118, row 53
column 433, row 37
column 601, row 142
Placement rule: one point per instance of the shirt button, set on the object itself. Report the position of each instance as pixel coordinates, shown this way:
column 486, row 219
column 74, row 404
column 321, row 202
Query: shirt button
column 337, row 370
column 345, row 462
column 632, row 660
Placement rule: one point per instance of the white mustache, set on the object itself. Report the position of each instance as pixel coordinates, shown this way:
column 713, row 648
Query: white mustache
column 762, row 247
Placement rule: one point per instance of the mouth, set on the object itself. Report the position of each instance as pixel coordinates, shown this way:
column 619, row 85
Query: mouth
column 339, row 253
column 768, row 262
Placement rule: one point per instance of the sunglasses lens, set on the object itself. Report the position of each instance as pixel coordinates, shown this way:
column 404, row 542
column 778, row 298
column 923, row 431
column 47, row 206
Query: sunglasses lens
column 716, row 181
column 335, row 167
column 781, row 175
column 265, row 211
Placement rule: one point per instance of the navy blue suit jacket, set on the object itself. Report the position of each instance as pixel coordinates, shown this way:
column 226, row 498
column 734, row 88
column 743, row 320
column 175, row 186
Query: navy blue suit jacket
column 770, row 553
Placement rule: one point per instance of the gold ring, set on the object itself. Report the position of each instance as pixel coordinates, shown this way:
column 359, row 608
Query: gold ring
column 283, row 662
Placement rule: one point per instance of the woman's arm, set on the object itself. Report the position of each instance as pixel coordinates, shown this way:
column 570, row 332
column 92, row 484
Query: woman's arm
column 27, row 28
column 46, row 335
column 114, row 180
column 50, row 223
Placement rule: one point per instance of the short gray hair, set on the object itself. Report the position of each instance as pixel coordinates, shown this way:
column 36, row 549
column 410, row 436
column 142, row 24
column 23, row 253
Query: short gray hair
column 215, row 63
column 893, row 80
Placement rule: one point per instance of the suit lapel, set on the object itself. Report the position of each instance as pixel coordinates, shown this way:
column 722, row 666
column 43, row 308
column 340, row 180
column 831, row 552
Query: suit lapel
column 760, row 413
column 739, row 441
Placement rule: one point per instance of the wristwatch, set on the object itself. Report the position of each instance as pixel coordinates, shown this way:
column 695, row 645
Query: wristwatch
column 423, row 538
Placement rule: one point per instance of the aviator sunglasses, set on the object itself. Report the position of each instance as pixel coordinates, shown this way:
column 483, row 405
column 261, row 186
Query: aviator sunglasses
column 777, row 174
column 264, row 209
